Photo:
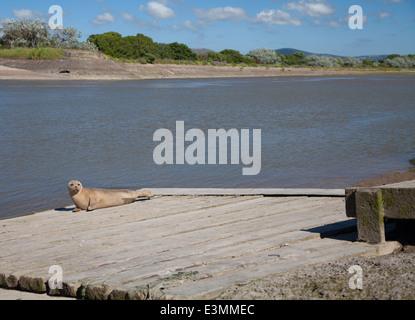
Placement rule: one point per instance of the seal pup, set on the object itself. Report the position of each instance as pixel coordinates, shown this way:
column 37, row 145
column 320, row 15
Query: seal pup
column 90, row 198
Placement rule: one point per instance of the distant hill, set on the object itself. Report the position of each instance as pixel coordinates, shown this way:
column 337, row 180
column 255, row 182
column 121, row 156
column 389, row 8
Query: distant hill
column 369, row 57
column 287, row 51
column 373, row 57
column 291, row 51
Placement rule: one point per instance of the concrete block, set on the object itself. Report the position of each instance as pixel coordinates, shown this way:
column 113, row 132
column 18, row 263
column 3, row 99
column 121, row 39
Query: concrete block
column 399, row 203
column 370, row 217
column 371, row 205
column 69, row 289
column 9, row 281
column 32, row 284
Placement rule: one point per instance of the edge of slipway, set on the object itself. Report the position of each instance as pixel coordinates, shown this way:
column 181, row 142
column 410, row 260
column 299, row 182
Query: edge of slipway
column 328, row 239
column 274, row 192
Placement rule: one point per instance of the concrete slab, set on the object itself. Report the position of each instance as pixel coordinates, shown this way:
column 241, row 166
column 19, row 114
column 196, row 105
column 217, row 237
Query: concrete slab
column 187, row 246
column 310, row 192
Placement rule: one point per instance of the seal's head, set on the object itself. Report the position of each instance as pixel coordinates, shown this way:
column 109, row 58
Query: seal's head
column 74, row 187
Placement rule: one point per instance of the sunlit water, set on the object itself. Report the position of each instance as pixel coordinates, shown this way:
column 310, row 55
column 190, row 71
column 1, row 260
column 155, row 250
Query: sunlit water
column 316, row 132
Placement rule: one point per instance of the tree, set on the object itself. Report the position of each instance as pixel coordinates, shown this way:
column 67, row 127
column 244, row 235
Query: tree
column 400, row 62
column 297, row 58
column 216, row 56
column 368, row 63
column 35, row 33
column 264, row 56
column 233, row 56
column 176, row 51
column 322, row 61
column 300, row 57
column 67, row 38
column 106, row 42
column 392, row 56
column 180, row 51
column 25, row 33
column 351, row 62
column 146, row 44
column 129, row 47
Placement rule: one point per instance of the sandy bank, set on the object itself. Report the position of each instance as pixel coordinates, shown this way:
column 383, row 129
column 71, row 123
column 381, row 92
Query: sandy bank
column 97, row 67
column 388, row 178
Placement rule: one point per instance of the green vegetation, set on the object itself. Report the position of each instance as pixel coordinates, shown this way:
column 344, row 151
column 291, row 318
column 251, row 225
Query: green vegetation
column 32, row 39
column 46, row 53
column 32, row 53
column 140, row 47
column 34, row 33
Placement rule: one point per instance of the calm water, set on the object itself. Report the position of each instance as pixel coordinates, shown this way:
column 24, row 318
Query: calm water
column 316, row 132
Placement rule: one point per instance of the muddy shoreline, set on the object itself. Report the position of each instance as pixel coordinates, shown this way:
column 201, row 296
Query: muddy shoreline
column 95, row 66
column 387, row 178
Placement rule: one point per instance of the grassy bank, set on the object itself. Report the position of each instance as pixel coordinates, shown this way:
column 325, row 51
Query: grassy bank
column 31, row 53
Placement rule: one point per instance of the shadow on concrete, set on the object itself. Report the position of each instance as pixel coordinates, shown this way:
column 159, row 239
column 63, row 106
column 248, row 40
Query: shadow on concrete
column 344, row 230
column 399, row 230
column 64, row 209
column 404, row 232
column 67, row 209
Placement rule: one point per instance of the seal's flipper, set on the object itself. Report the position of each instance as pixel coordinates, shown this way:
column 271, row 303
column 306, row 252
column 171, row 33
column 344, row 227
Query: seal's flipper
column 144, row 194
column 91, row 206
column 128, row 200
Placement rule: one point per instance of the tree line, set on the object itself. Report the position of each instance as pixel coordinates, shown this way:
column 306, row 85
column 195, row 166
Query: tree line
column 140, row 48
column 143, row 49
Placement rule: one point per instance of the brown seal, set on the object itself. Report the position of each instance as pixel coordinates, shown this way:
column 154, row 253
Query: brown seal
column 90, row 199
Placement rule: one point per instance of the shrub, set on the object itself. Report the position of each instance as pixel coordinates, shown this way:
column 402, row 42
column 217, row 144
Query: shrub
column 297, row 58
column 216, row 56
column 67, row 38
column 176, row 51
column 322, row 61
column 368, row 63
column 25, row 33
column 105, row 42
column 233, row 56
column 35, row 33
column 129, row 47
column 264, row 56
column 352, row 62
column 400, row 62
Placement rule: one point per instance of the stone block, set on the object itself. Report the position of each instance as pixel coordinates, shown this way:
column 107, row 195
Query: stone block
column 371, row 205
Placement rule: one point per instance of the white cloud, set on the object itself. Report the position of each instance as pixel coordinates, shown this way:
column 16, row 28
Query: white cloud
column 311, row 8
column 27, row 14
column 334, row 24
column 127, row 16
column 192, row 26
column 158, row 10
column 105, row 18
column 277, row 17
column 23, row 13
column 383, row 14
column 225, row 13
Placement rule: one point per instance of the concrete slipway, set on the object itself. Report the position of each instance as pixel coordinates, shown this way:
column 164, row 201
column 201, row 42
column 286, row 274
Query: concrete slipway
column 183, row 243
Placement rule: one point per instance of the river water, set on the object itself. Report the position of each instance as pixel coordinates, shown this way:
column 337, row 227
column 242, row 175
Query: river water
column 315, row 132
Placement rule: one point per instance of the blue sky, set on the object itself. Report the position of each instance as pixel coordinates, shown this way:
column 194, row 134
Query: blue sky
column 320, row 26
